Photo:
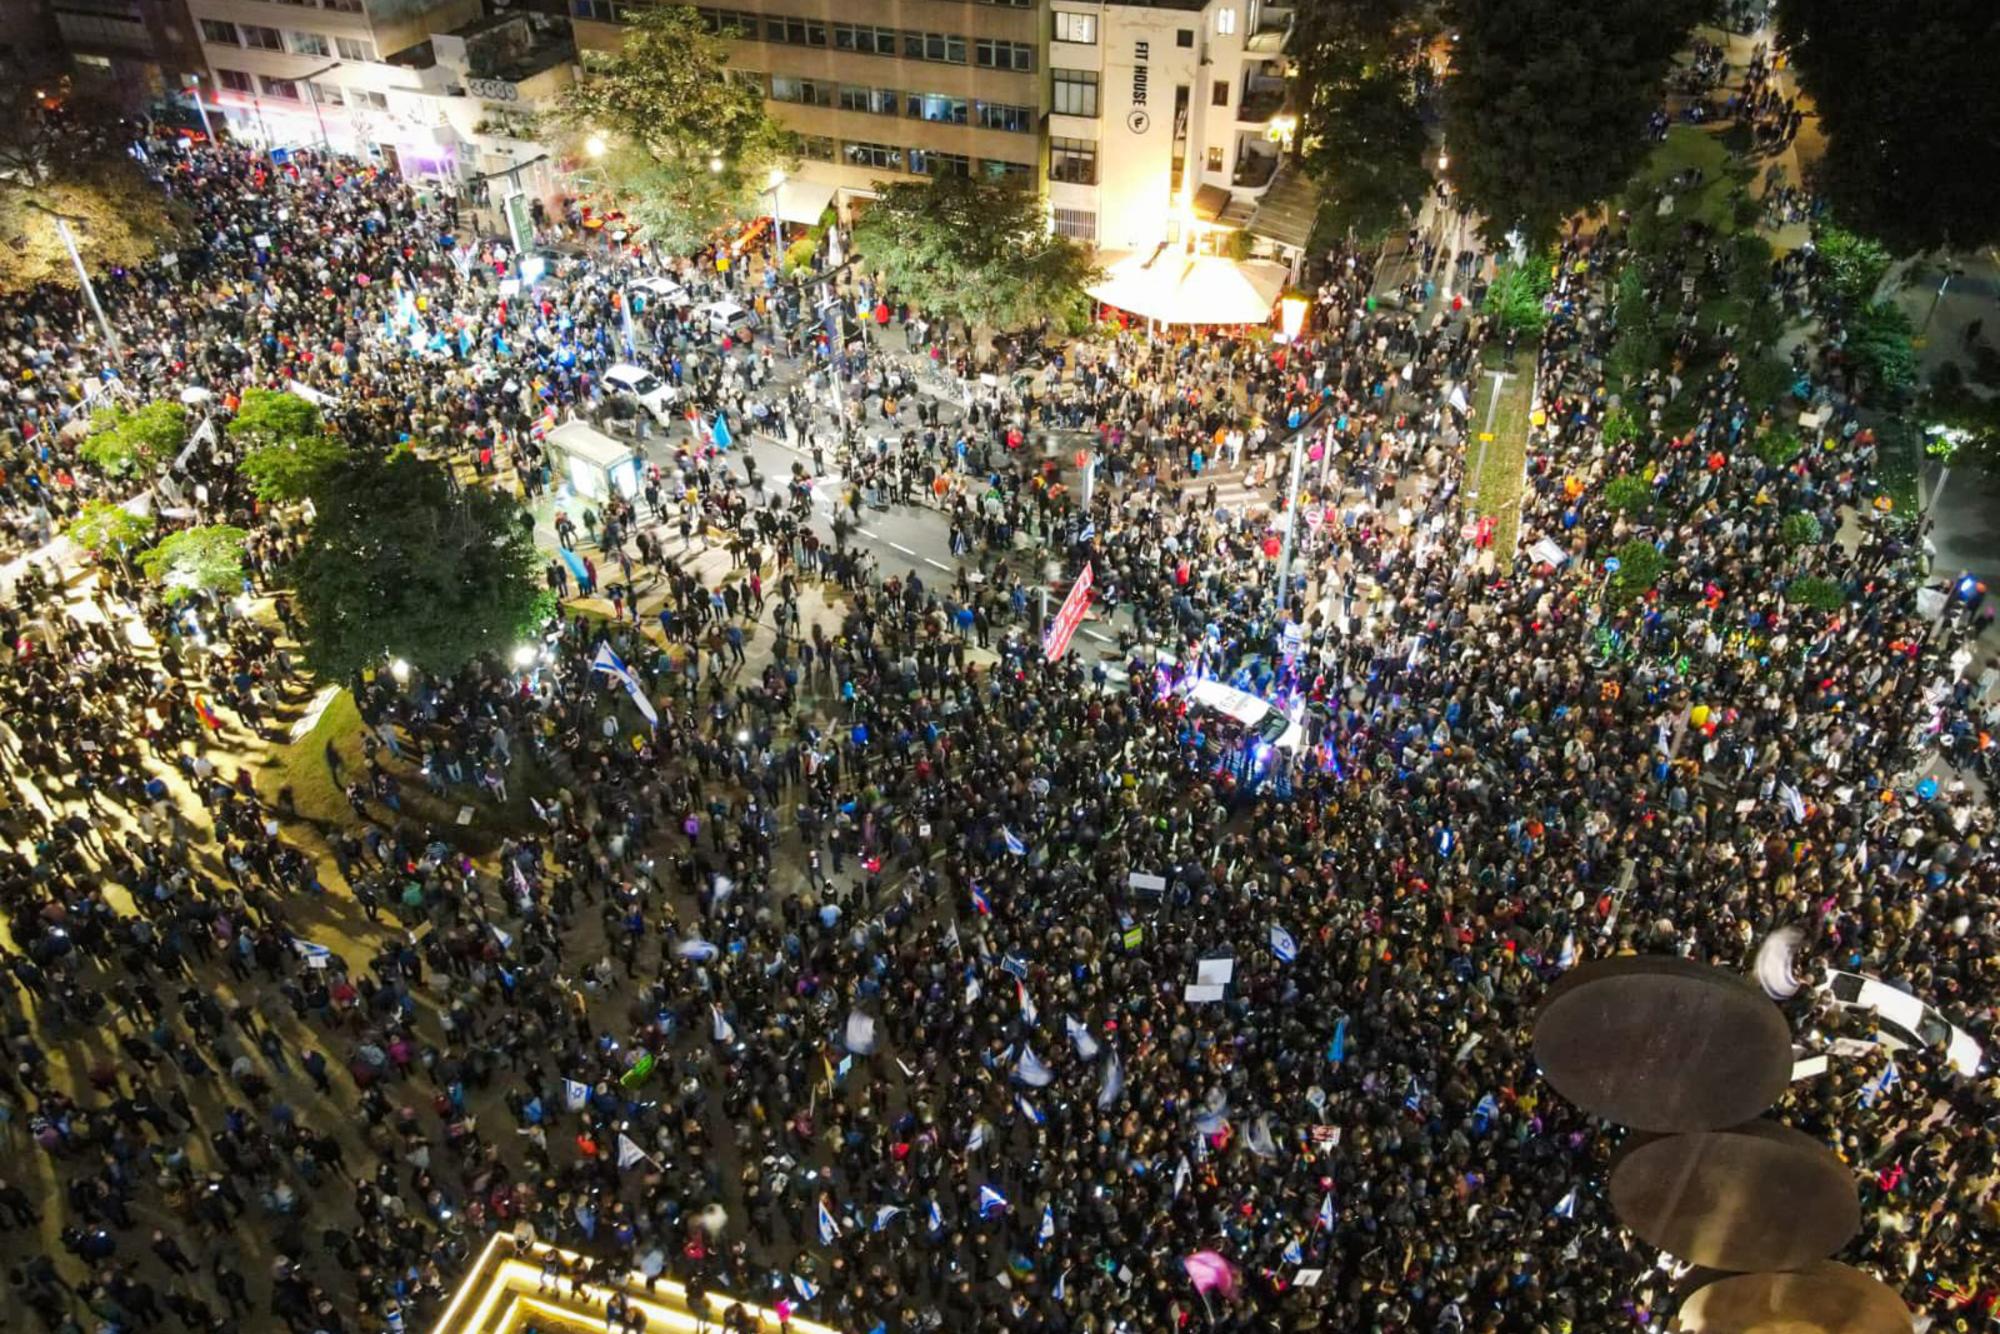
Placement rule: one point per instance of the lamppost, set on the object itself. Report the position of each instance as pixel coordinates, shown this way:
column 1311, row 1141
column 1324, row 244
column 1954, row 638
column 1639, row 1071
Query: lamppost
column 193, row 81
column 325, row 145
column 63, row 220
column 777, row 178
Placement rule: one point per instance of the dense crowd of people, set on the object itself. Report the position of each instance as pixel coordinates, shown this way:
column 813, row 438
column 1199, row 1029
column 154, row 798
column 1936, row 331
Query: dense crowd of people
column 897, row 974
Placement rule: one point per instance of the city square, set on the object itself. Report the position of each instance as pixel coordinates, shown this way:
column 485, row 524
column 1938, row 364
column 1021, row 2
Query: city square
column 1036, row 666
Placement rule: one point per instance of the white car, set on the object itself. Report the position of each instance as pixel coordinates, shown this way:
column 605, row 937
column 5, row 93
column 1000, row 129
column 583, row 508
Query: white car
column 1904, row 1020
column 653, row 393
column 727, row 317
column 661, row 291
column 1257, row 717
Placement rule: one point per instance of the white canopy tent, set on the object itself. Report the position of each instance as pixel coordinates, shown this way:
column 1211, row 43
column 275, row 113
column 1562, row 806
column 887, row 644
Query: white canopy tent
column 803, row 201
column 1176, row 288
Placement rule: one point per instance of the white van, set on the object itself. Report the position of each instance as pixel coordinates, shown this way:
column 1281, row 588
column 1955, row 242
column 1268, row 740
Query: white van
column 1905, row 1021
column 661, row 291
column 1256, row 716
column 653, row 393
column 727, row 317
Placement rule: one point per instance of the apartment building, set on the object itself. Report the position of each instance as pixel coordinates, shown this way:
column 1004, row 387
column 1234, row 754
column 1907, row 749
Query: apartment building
column 138, row 53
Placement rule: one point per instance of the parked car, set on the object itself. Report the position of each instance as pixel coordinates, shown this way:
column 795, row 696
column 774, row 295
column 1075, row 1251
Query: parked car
column 654, row 394
column 1903, row 1020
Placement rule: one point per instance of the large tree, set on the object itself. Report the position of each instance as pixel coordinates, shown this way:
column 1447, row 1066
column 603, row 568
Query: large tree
column 139, row 440
column 288, row 448
column 979, row 252
column 1361, row 134
column 686, row 146
column 402, row 563
column 1545, row 107
column 1905, row 94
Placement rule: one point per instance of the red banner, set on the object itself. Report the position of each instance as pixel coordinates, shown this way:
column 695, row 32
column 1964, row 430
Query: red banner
column 1063, row 628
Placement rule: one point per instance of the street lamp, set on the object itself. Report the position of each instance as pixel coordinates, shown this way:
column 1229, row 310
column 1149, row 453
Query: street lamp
column 715, row 164
column 325, row 145
column 595, row 146
column 777, row 178
column 63, row 220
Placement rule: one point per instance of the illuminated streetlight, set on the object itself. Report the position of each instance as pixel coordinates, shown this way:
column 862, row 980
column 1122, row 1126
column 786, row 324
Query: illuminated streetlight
column 595, row 145
column 715, row 164
column 400, row 670
column 524, row 656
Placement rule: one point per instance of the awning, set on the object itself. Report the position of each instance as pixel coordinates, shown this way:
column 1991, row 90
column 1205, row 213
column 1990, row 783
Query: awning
column 1209, row 201
column 803, row 201
column 1286, row 212
column 1177, row 288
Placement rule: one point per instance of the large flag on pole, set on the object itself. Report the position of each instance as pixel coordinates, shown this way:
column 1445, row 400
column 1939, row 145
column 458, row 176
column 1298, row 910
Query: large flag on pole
column 610, row 663
column 1063, row 628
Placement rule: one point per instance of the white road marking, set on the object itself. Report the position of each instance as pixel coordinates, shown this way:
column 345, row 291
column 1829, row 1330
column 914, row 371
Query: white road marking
column 900, row 547
column 1099, row 636
column 937, row 564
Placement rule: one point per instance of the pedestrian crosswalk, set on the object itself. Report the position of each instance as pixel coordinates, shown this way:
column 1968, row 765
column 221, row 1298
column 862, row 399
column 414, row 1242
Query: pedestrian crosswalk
column 1232, row 491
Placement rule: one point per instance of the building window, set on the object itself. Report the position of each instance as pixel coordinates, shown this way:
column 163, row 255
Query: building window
column 595, row 11
column 1001, row 116
column 1218, row 93
column 1072, row 161
column 880, row 156
column 1078, row 224
column 1011, row 4
column 329, row 95
column 994, row 54
column 1225, row 21
column 930, row 162
column 997, row 170
column 874, row 101
column 795, row 32
column 941, row 108
column 307, row 44
column 361, row 97
column 262, row 38
column 354, row 48
column 1214, row 159
column 944, row 47
column 816, row 148
column 1078, row 28
column 866, row 39
column 342, row 6
column 223, row 34
column 100, row 63
column 806, row 92
column 1075, row 92
column 235, row 80
column 287, row 89
column 1184, row 37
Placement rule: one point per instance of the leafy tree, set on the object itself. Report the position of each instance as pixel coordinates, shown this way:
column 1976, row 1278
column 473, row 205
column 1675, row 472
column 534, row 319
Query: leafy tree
column 979, row 252
column 1854, row 264
column 1881, row 340
column 1619, row 427
column 1514, row 297
column 687, row 147
column 266, row 416
column 1545, row 108
column 124, row 440
column 103, row 528
column 1905, row 96
column 1361, row 136
column 289, row 470
column 206, row 559
column 1801, row 529
column 1640, row 566
column 1628, row 494
column 1778, row 448
column 402, row 563
column 1820, row 594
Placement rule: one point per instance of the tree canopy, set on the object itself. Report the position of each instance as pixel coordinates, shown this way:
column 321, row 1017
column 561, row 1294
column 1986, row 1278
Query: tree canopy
column 401, row 563
column 688, row 147
column 123, row 440
column 979, row 252
column 1545, row 107
column 1361, row 135
column 103, row 527
column 290, row 449
column 206, row 559
column 1905, row 97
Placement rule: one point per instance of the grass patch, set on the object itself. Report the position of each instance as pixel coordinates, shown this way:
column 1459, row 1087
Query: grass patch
column 1713, row 202
column 1498, row 470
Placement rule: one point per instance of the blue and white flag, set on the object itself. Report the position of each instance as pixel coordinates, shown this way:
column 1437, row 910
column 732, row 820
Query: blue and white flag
column 1029, row 1015
column 1446, row 841
column 860, row 1036
column 612, row 665
column 1282, row 944
column 1326, row 1212
column 1062, row 1284
column 575, row 1094
column 977, row 1139
column 991, row 1202
column 1014, row 966
column 308, row 950
column 505, row 941
column 1484, row 1113
column 829, row 1230
column 1089, row 532
column 630, row 1153
column 1257, row 1138
column 721, row 1028
column 1566, row 1206
column 1295, row 1253
column 1181, row 1173
column 1034, row 1114
column 1881, row 1084
column 697, row 949
column 1086, row 1045
column 884, row 1215
column 936, row 1218
column 1414, row 1099
column 805, row 1287
column 1014, row 845
column 1566, row 956
column 1047, row 1231
column 1113, row 1085
column 1032, row 1072
column 1336, row 1050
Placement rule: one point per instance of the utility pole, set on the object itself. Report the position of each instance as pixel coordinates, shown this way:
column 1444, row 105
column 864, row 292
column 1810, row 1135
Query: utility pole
column 63, row 220
column 1306, row 428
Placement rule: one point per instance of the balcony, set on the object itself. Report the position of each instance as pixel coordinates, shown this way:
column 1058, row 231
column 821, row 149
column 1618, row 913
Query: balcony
column 1254, row 170
column 1263, row 95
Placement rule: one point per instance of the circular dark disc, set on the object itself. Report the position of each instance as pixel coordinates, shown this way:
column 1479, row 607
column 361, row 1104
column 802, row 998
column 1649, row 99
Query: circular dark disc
column 1663, row 1044
column 1761, row 1196
column 1824, row 1298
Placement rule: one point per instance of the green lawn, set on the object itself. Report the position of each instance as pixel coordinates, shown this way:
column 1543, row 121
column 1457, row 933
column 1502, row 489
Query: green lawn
column 1498, row 464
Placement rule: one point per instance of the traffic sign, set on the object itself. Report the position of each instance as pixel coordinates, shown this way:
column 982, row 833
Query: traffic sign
column 1611, row 564
column 1315, row 516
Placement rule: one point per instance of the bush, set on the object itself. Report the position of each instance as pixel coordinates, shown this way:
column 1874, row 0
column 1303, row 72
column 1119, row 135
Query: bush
column 1854, row 264
column 206, row 558
column 1801, row 530
column 1619, row 428
column 1813, row 591
column 1767, row 380
column 799, row 255
column 1750, row 267
column 1882, row 342
column 1777, row 448
column 1628, row 494
column 1640, row 566
column 1514, row 298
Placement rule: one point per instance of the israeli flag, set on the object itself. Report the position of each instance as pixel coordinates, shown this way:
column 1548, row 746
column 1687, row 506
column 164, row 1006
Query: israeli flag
column 1282, row 944
column 1062, row 1284
column 1086, row 1045
column 1566, row 1206
column 722, row 1030
column 885, row 1215
column 1112, row 1087
column 697, row 949
column 575, row 1094
column 1029, row 1015
column 972, row 990
column 1047, row 1231
column 860, row 1036
column 951, row 936
column 1483, row 1114
column 977, row 1139
column 1414, row 1099
column 1014, row 845
column 805, row 1287
column 936, row 1218
column 1089, row 532
column 630, row 1153
column 1294, row 1253
column 1446, row 841
column 308, row 950
column 1326, row 1211
column 612, row 665
column 829, row 1230
column 1566, row 956
column 1336, row 1050
column 991, row 1202
column 1794, row 803
column 1258, row 1138
column 1034, row 1114
column 506, row 941
column 1181, row 1173
column 1031, row 1071
column 1887, row 1080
